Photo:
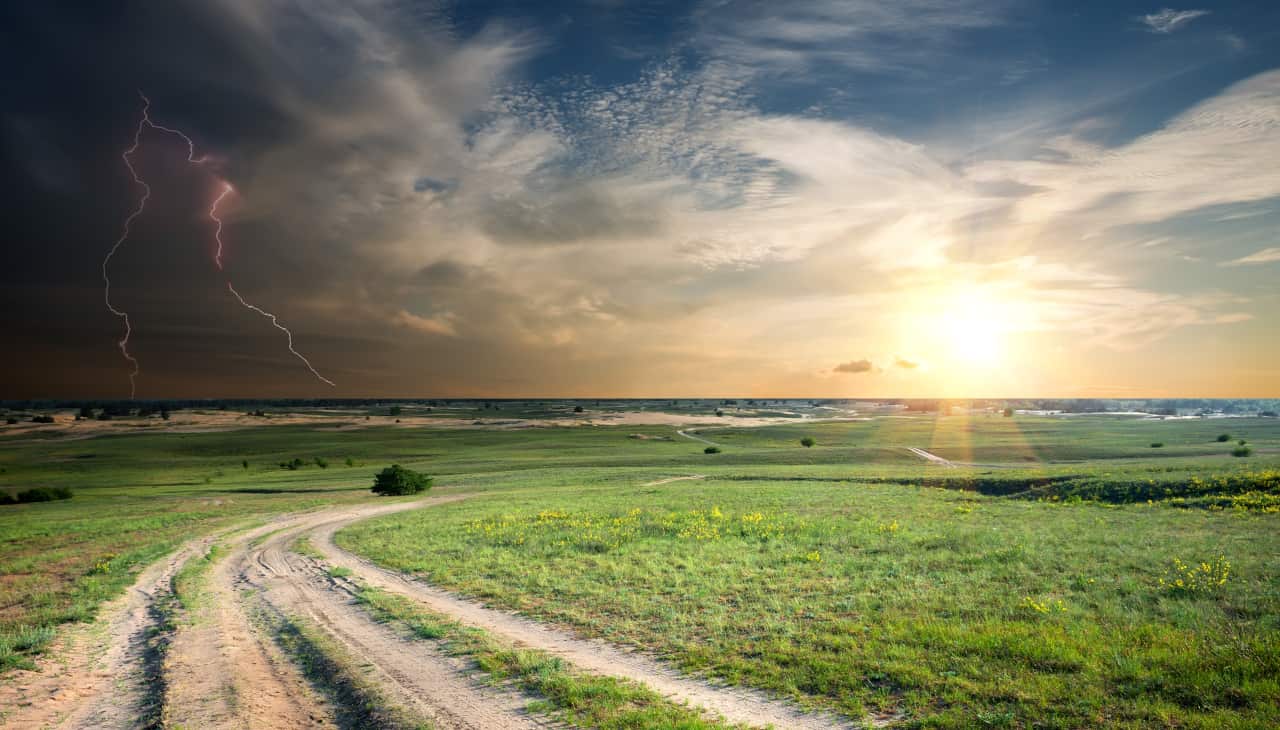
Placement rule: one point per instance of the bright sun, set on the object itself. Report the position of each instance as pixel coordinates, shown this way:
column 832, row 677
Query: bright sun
column 974, row 327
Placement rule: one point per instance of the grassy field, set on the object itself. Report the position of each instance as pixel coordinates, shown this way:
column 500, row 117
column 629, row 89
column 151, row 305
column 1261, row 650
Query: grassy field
column 1023, row 586
column 858, row 589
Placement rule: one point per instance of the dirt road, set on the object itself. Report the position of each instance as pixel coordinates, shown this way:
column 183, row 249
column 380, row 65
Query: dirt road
column 223, row 667
column 688, row 435
column 931, row 457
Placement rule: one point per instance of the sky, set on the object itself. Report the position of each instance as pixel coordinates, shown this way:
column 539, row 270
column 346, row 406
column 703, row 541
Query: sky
column 817, row 198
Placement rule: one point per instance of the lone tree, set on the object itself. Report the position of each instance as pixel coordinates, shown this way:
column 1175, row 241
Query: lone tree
column 807, row 442
column 396, row 480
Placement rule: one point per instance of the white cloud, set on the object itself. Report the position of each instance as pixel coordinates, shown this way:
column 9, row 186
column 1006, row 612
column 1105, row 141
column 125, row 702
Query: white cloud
column 863, row 35
column 1265, row 256
column 1218, row 152
column 1168, row 20
column 440, row 324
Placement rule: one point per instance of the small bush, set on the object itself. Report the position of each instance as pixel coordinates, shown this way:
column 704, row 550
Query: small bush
column 11, row 420
column 1241, row 451
column 394, row 411
column 322, row 462
column 711, row 450
column 1224, row 437
column 577, row 409
column 350, row 461
column 1158, row 445
column 36, row 494
column 807, row 442
column 1242, row 442
column 293, row 465
column 244, row 463
column 42, row 419
column 396, row 480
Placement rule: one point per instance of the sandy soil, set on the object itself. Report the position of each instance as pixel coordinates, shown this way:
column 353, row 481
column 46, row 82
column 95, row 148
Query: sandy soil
column 101, row 678
column 197, row 421
column 222, row 670
column 414, row 674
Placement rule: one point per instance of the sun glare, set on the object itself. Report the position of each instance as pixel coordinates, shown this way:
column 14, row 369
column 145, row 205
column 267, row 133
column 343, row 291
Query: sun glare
column 974, row 326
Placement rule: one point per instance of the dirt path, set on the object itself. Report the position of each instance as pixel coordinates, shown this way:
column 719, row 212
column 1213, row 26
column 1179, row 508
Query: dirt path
column 668, row 480
column 931, row 457
column 414, row 674
column 104, row 674
column 734, row 704
column 688, row 435
column 222, row 672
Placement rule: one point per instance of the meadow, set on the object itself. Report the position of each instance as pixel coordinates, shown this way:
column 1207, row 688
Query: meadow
column 1035, row 583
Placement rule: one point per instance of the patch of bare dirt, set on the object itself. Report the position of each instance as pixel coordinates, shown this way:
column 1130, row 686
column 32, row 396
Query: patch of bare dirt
column 220, row 672
column 415, row 675
column 100, row 675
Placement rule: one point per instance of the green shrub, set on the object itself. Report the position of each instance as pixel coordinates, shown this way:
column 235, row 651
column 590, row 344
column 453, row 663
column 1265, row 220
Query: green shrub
column 322, row 462
column 1158, row 445
column 36, row 494
column 1224, row 437
column 711, row 450
column 807, row 442
column 1241, row 451
column 11, row 420
column 396, row 480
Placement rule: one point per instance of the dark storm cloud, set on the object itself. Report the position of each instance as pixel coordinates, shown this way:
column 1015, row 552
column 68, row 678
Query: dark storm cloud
column 316, row 112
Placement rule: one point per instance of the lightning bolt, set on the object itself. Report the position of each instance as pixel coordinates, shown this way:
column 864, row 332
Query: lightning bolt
column 123, row 343
column 213, row 213
column 217, row 235
column 276, row 323
column 144, row 121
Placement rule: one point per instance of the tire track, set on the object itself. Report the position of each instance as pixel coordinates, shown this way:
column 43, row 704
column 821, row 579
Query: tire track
column 732, row 703
column 104, row 677
column 415, row 675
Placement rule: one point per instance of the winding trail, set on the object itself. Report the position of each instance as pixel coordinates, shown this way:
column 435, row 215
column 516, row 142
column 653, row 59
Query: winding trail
column 668, row 480
column 734, row 704
column 222, row 669
column 413, row 674
column 934, row 458
column 104, row 674
column 695, row 437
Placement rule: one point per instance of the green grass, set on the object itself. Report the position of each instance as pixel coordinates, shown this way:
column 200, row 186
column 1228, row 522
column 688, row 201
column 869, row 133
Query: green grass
column 938, row 618
column 947, row 606
column 571, row 696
